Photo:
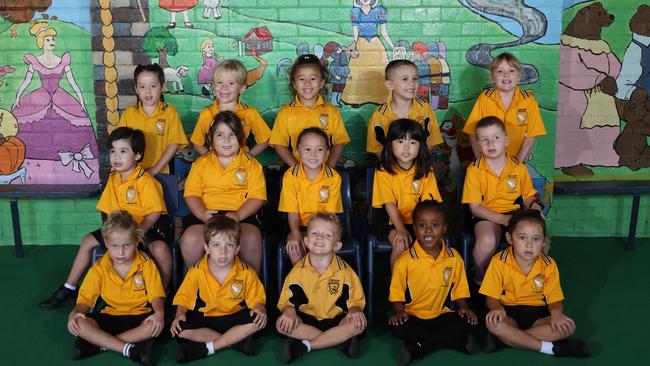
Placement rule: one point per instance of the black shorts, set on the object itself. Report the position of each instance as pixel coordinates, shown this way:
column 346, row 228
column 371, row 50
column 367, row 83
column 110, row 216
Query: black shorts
column 190, row 220
column 475, row 220
column 381, row 226
column 526, row 315
column 321, row 325
column 117, row 324
column 221, row 324
column 161, row 230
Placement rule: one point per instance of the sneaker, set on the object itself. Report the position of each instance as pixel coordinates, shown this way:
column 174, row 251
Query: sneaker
column 83, row 349
column 60, row 298
column 141, row 353
column 189, row 351
column 405, row 355
column 293, row 349
column 469, row 347
column 351, row 347
column 492, row 343
column 570, row 348
column 245, row 346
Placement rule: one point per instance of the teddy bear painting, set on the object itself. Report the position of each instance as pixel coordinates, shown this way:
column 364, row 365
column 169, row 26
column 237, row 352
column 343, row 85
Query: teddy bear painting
column 631, row 145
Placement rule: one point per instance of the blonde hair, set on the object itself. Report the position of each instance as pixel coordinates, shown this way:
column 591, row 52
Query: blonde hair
column 327, row 217
column 122, row 221
column 235, row 66
column 41, row 30
column 507, row 57
column 204, row 44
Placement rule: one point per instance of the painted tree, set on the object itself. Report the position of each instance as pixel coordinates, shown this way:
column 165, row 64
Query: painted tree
column 158, row 42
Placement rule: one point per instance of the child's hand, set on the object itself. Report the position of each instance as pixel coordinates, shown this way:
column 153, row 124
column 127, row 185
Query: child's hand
column 73, row 325
column 289, row 320
column 562, row 324
column 176, row 324
column 207, row 215
column 495, row 316
column 469, row 314
column 399, row 239
column 260, row 315
column 357, row 318
column 399, row 318
column 157, row 322
column 153, row 171
column 505, row 219
column 234, row 215
column 295, row 247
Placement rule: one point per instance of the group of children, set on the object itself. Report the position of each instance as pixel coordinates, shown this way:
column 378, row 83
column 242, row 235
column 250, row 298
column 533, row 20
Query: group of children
column 221, row 302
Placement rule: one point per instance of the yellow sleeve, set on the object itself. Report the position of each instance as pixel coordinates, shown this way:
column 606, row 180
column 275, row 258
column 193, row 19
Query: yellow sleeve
column 527, row 189
column 339, row 133
column 289, row 193
column 194, row 181
column 90, row 288
column 472, row 186
column 552, row 289
column 435, row 137
column 286, row 295
column 280, row 131
column 152, row 281
column 475, row 115
column 254, row 293
column 397, row 291
column 256, row 183
column 175, row 133
column 492, row 285
column 124, row 119
column 259, row 128
column 186, row 293
column 336, row 204
column 372, row 145
column 357, row 299
column 535, row 121
column 202, row 127
column 460, row 289
column 152, row 196
column 105, row 202
column 382, row 191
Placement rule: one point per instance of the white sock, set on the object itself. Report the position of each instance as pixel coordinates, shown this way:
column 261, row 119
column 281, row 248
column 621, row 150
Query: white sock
column 210, row 347
column 102, row 348
column 547, row 348
column 306, row 343
column 69, row 286
column 126, row 351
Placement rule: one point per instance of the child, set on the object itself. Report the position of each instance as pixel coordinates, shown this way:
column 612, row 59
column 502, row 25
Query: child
column 158, row 121
column 229, row 181
column 225, row 297
column 430, row 272
column 129, row 284
column 517, row 108
column 403, row 178
column 402, row 80
column 308, row 187
column 306, row 79
column 228, row 83
column 132, row 189
column 496, row 185
column 315, row 316
column 523, row 294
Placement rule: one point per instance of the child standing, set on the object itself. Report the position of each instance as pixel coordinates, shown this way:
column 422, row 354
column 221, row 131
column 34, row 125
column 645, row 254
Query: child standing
column 223, row 295
column 308, row 187
column 229, row 181
column 129, row 284
column 228, row 83
column 524, row 296
column 496, row 185
column 163, row 132
column 132, row 189
column 430, row 272
column 402, row 81
column 322, row 299
column 403, row 178
column 309, row 109
column 517, row 108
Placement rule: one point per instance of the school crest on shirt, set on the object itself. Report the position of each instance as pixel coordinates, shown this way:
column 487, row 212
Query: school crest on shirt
column 416, row 186
column 522, row 114
column 511, row 182
column 446, row 276
column 324, row 120
column 131, row 195
column 240, row 176
column 324, row 194
column 236, row 288
column 538, row 283
column 138, row 281
column 333, row 286
column 160, row 127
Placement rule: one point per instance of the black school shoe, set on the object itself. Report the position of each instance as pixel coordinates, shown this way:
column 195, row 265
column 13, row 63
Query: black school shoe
column 293, row 349
column 189, row 351
column 407, row 352
column 141, row 353
column 63, row 296
column 467, row 346
column 83, row 349
column 350, row 347
column 570, row 348
column 492, row 343
column 245, row 346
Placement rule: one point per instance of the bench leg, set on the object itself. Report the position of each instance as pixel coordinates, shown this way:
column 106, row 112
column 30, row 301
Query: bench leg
column 634, row 217
column 15, row 220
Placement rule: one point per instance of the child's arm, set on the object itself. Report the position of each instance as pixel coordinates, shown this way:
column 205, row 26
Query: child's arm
column 149, row 221
column 356, row 317
column 181, row 312
column 164, row 159
column 485, row 213
column 289, row 320
column 464, row 310
column 196, row 206
column 294, row 239
column 258, row 149
column 79, row 312
column 286, row 155
column 497, row 313
column 400, row 317
column 526, row 147
column 200, row 149
column 559, row 321
column 399, row 237
column 335, row 155
column 158, row 317
column 249, row 208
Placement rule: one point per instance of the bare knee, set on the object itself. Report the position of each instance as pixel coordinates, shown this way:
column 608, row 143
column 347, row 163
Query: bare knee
column 160, row 251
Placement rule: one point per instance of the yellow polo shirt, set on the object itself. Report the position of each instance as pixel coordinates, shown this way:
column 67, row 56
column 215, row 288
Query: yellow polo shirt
column 403, row 191
column 428, row 281
column 131, row 295
column 161, row 129
column 240, row 290
column 522, row 118
column 322, row 296
column 498, row 193
column 250, row 119
column 383, row 116
column 505, row 281
column 306, row 197
column 140, row 195
column 226, row 189
column 295, row 117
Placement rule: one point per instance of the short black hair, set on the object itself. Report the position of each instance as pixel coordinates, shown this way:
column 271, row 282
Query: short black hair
column 397, row 130
column 395, row 64
column 307, row 60
column 134, row 137
column 427, row 204
column 526, row 215
column 154, row 68
column 316, row 131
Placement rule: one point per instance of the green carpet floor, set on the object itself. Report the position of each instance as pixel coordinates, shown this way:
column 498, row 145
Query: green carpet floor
column 607, row 293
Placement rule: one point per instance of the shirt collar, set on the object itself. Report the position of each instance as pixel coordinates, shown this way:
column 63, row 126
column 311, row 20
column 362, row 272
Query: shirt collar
column 420, row 253
column 319, row 101
column 497, row 98
column 331, row 269
column 534, row 270
column 107, row 262
column 137, row 172
column 483, row 165
column 236, row 162
column 645, row 40
column 322, row 175
column 214, row 108
column 160, row 108
column 236, row 268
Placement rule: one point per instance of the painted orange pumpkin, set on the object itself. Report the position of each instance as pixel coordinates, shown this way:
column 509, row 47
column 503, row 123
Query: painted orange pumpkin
column 12, row 154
